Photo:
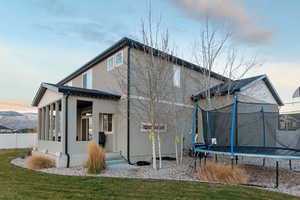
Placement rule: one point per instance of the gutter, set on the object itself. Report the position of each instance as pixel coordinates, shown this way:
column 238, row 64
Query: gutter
column 66, row 132
column 128, row 106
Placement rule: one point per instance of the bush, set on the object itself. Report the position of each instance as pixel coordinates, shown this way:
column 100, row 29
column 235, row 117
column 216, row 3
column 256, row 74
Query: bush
column 25, row 154
column 96, row 158
column 222, row 173
column 36, row 162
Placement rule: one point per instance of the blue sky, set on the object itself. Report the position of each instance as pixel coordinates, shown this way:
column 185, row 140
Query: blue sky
column 45, row 40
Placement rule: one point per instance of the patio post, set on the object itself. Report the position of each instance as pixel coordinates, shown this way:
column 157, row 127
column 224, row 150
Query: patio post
column 57, row 118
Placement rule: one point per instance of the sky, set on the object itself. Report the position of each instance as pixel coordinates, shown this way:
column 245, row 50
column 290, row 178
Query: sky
column 46, row 40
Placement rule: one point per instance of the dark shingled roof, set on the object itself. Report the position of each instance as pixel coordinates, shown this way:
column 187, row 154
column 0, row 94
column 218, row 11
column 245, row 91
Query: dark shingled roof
column 73, row 91
column 140, row 46
column 235, row 86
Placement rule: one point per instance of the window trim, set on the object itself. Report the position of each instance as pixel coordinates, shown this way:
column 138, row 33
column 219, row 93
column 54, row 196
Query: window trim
column 115, row 59
column 102, row 124
column 91, row 76
column 113, row 63
column 177, row 83
column 149, row 124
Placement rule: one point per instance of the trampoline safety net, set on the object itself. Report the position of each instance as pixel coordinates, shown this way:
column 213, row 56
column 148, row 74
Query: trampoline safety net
column 254, row 130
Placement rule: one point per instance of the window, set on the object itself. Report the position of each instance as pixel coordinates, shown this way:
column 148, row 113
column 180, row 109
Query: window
column 87, row 80
column 288, row 122
column 107, row 123
column 176, row 78
column 146, row 127
column 86, row 127
column 110, row 64
column 114, row 61
column 119, row 59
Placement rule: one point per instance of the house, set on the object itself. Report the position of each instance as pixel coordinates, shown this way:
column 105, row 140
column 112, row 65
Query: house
column 290, row 113
column 91, row 101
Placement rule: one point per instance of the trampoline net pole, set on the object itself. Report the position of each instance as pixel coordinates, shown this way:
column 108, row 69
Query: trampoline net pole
column 233, row 125
column 193, row 126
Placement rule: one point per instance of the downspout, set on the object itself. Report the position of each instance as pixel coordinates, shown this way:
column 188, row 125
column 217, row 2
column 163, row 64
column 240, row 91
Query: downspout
column 66, row 131
column 128, row 106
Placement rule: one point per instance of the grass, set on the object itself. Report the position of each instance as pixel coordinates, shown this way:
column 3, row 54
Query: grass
column 96, row 159
column 19, row 183
column 222, row 173
column 39, row 162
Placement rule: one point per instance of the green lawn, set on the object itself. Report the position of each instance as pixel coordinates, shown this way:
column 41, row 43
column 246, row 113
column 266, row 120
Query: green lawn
column 19, row 183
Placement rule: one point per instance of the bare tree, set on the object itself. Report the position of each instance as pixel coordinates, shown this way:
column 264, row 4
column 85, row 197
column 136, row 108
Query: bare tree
column 151, row 79
column 217, row 51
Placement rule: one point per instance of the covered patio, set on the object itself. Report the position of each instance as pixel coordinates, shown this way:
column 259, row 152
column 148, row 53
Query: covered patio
column 69, row 117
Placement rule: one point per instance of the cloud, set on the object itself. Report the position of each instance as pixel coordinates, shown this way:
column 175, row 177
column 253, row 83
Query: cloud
column 283, row 75
column 228, row 11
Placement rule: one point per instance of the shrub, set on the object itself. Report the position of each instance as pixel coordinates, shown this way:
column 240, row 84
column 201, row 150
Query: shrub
column 222, row 173
column 36, row 162
column 25, row 154
column 96, row 158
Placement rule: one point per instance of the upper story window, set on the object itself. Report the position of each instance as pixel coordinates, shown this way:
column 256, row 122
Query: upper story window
column 176, row 77
column 119, row 59
column 114, row 61
column 110, row 63
column 87, row 80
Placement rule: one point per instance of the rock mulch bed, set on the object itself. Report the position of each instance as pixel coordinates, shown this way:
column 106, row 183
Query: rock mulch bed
column 289, row 181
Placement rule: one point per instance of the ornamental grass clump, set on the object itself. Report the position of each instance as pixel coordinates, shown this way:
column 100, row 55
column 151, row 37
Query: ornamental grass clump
column 37, row 162
column 96, row 158
column 222, row 173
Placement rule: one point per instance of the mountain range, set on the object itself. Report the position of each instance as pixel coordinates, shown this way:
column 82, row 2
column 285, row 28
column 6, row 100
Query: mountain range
column 17, row 116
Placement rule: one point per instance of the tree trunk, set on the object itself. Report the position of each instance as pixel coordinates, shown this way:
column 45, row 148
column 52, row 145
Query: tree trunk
column 153, row 152
column 181, row 148
column 159, row 150
column 176, row 151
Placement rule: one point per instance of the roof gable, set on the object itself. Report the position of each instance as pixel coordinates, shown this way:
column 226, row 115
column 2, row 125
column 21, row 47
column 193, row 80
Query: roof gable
column 127, row 42
column 238, row 85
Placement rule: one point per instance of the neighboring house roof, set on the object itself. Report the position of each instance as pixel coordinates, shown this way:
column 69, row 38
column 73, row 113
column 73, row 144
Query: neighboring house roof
column 296, row 93
column 236, row 86
column 73, row 91
column 137, row 45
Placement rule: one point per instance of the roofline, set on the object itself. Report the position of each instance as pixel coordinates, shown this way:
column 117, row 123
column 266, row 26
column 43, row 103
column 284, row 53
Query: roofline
column 267, row 81
column 140, row 46
column 44, row 86
column 263, row 77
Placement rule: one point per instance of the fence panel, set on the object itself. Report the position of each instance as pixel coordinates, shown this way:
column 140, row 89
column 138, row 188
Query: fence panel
column 18, row 140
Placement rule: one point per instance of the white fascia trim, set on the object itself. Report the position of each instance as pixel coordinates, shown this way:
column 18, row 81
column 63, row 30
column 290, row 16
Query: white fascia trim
column 162, row 101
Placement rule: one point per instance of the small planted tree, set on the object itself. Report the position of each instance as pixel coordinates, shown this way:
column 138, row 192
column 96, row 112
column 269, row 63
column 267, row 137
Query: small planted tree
column 150, row 81
column 216, row 50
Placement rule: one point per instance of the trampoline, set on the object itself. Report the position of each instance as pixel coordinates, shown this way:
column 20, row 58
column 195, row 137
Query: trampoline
column 242, row 129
